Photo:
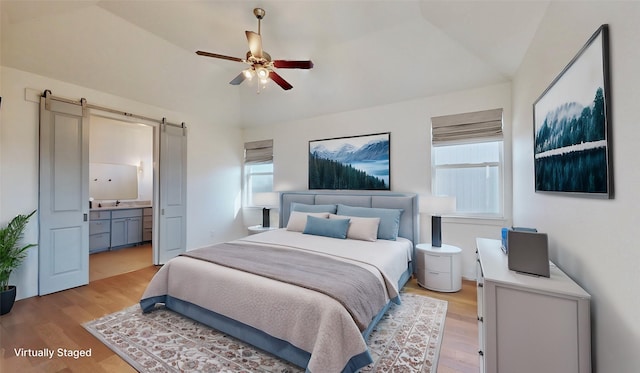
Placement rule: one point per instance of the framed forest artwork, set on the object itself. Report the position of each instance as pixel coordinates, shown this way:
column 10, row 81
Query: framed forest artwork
column 357, row 162
column 572, row 125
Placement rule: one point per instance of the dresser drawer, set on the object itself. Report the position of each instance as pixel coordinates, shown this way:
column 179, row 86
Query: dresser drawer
column 438, row 280
column 126, row 213
column 99, row 226
column 99, row 241
column 97, row 215
column 437, row 263
column 147, row 222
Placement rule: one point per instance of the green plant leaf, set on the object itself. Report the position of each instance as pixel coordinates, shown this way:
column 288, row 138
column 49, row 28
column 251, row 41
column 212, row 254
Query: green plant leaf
column 11, row 252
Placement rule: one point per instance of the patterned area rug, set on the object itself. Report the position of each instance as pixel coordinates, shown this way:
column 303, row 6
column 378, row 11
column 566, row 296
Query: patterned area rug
column 407, row 339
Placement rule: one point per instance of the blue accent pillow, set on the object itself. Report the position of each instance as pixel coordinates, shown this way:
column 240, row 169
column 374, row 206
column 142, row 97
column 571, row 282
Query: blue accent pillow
column 389, row 219
column 295, row 206
column 336, row 228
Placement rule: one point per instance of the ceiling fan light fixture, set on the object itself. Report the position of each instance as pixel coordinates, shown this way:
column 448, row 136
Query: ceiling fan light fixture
column 262, row 73
column 259, row 61
column 248, row 73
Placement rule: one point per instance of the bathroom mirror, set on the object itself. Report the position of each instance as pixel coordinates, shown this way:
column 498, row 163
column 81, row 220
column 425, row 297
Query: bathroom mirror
column 113, row 181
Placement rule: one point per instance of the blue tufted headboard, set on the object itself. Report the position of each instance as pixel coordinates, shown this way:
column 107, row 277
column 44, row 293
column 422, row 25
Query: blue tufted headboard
column 409, row 220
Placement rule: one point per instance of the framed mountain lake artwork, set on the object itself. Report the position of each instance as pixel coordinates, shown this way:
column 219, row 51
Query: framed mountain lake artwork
column 357, row 162
column 572, row 126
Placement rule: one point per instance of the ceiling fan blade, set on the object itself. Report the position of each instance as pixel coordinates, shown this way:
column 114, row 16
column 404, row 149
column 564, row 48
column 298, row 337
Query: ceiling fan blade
column 279, row 81
column 284, row 64
column 215, row 55
column 238, row 79
column 255, row 43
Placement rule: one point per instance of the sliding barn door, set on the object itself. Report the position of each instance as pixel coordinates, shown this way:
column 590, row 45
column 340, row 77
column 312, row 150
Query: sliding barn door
column 63, row 245
column 172, row 193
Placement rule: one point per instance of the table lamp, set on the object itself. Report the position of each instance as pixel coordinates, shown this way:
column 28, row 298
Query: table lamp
column 266, row 200
column 437, row 206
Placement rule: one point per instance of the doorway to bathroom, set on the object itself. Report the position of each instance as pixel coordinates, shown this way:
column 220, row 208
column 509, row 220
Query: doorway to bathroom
column 121, row 197
column 64, row 199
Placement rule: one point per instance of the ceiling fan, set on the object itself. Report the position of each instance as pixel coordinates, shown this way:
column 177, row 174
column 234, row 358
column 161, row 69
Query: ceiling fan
column 260, row 63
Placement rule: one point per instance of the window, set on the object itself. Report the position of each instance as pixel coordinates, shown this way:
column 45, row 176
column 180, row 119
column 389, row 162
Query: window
column 258, row 179
column 473, row 174
column 467, row 159
column 258, row 169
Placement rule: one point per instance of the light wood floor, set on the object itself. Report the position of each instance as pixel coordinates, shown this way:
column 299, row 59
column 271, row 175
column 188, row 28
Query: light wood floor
column 55, row 321
column 112, row 263
column 459, row 350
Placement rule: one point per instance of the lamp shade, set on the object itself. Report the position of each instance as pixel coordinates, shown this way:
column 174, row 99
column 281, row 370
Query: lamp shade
column 266, row 199
column 437, row 205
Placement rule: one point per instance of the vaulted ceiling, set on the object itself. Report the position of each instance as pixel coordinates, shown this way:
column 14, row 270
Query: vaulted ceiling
column 366, row 53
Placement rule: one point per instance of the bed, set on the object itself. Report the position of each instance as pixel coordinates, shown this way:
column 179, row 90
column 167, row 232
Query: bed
column 318, row 320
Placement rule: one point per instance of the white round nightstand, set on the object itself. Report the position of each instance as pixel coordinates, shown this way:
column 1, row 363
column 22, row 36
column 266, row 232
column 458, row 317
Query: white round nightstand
column 439, row 268
column 259, row 229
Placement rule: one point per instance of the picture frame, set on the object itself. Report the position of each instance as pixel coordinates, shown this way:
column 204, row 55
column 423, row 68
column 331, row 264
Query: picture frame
column 355, row 162
column 572, row 126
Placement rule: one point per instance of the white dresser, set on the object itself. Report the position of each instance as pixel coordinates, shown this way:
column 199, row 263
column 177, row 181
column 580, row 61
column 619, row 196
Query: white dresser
column 527, row 323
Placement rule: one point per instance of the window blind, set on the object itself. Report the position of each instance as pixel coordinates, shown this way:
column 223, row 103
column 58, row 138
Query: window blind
column 459, row 128
column 258, row 151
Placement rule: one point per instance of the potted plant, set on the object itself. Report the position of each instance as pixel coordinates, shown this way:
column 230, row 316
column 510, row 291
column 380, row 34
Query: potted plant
column 11, row 256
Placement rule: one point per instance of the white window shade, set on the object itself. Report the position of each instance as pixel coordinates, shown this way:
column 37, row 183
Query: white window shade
column 460, row 128
column 258, row 151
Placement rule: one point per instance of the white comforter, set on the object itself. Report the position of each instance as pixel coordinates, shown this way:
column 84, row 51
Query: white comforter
column 309, row 320
column 386, row 259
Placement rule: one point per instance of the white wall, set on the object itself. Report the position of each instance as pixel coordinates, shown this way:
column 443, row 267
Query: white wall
column 409, row 123
column 213, row 166
column 594, row 241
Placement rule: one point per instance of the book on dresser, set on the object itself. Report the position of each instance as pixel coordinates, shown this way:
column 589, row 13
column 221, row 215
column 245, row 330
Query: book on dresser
column 529, row 323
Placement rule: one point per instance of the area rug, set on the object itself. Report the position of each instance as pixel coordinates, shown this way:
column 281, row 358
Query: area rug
column 407, row 339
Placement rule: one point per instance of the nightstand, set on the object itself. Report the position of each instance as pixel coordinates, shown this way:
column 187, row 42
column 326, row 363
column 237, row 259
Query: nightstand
column 259, row 229
column 439, row 268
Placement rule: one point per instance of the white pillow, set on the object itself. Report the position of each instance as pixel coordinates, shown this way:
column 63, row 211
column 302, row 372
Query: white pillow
column 298, row 219
column 364, row 229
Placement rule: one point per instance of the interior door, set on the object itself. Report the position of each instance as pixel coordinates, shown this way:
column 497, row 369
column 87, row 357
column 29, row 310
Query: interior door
column 172, row 193
column 63, row 196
